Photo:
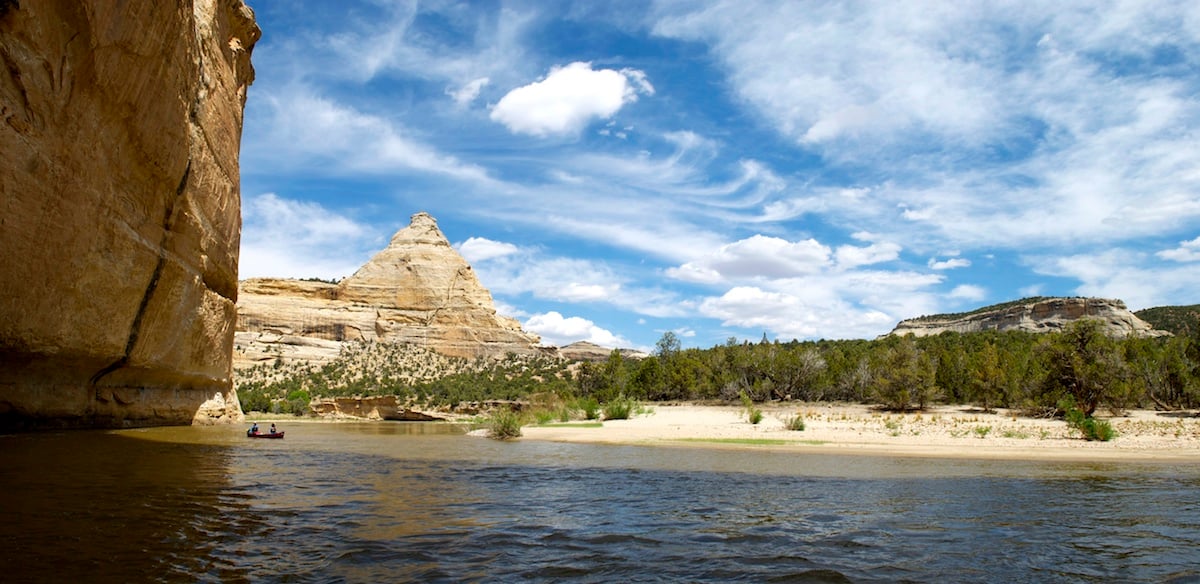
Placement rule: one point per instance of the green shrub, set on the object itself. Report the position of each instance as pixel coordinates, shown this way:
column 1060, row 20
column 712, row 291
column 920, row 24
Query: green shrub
column 504, row 424
column 1090, row 428
column 589, row 406
column 753, row 414
column 794, row 423
column 619, row 408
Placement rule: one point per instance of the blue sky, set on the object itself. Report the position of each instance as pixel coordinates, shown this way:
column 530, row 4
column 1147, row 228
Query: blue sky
column 615, row 170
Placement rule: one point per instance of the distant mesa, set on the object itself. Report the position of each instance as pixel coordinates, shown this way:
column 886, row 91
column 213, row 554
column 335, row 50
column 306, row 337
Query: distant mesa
column 585, row 351
column 1035, row 315
column 418, row 290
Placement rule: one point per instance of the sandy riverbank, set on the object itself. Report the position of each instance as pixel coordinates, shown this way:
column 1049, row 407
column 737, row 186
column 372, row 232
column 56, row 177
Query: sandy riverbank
column 951, row 431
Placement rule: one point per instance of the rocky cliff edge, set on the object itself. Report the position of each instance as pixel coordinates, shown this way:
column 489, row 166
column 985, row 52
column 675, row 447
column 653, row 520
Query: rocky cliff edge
column 120, row 124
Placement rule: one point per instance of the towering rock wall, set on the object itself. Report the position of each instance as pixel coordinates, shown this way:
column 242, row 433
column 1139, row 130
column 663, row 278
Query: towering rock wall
column 120, row 124
column 1036, row 316
column 418, row 290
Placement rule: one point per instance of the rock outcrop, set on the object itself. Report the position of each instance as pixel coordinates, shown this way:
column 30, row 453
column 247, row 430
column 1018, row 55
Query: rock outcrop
column 1036, row 315
column 586, row 351
column 120, row 124
column 418, row 290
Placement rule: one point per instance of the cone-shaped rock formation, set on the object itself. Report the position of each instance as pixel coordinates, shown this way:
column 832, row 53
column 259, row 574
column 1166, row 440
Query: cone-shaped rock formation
column 418, row 290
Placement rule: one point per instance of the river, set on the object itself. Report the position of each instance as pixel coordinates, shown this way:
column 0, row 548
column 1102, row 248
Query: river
column 396, row 502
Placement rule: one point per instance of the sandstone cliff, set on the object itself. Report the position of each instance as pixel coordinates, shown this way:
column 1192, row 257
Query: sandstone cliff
column 418, row 290
column 120, row 124
column 1035, row 315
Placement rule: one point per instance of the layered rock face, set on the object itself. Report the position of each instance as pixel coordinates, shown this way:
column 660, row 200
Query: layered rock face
column 418, row 290
column 1042, row 315
column 120, row 124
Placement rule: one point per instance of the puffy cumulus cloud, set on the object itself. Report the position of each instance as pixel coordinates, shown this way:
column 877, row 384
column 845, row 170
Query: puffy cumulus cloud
column 948, row 264
column 568, row 99
column 758, row 256
column 788, row 316
column 1188, row 251
column 560, row 331
column 572, row 280
column 298, row 239
column 479, row 249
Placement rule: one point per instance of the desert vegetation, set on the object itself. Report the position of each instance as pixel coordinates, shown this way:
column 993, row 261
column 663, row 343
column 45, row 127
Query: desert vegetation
column 1042, row 375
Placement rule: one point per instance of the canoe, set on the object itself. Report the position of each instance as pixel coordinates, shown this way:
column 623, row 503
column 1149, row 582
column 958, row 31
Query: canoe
column 275, row 435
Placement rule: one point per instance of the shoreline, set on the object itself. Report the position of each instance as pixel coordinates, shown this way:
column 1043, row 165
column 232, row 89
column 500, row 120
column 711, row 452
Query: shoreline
column 843, row 429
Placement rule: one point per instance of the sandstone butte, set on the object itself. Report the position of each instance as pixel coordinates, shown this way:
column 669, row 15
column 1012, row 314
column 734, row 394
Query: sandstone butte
column 418, row 290
column 1037, row 315
column 120, row 218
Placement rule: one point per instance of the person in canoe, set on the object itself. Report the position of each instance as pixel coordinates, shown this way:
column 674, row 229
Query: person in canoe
column 253, row 429
column 273, row 429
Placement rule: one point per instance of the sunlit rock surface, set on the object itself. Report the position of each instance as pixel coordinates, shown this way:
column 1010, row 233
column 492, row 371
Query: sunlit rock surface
column 120, row 124
column 418, row 290
column 1036, row 316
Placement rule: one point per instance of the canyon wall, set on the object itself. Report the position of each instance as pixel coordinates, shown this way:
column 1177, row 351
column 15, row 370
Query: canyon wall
column 120, row 124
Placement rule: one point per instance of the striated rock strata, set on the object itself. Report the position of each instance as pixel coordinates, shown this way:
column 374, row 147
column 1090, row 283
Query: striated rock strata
column 418, row 290
column 1036, row 315
column 120, row 124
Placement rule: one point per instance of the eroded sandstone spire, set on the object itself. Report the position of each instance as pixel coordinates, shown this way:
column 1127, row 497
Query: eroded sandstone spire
column 418, row 290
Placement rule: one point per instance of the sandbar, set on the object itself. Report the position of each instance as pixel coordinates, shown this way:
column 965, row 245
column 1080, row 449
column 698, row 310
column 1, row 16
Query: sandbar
column 944, row 431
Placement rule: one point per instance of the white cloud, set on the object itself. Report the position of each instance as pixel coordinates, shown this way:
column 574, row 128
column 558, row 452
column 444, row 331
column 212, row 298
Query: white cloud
column 559, row 331
column 758, row 256
column 568, row 99
column 788, row 316
column 1188, row 251
column 949, row 264
column 968, row 292
column 1125, row 275
column 572, row 280
column 312, row 132
column 296, row 239
column 467, row 93
column 979, row 124
column 479, row 249
column 849, row 256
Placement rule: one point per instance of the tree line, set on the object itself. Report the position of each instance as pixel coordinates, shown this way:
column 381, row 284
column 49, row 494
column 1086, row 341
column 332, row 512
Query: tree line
column 1039, row 374
column 1034, row 373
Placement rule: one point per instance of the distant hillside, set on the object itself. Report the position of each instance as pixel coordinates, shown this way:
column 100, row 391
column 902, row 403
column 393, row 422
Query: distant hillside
column 1179, row 320
column 1037, row 315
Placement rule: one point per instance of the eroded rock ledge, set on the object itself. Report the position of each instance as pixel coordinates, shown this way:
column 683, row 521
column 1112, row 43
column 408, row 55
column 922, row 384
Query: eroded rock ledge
column 1036, row 315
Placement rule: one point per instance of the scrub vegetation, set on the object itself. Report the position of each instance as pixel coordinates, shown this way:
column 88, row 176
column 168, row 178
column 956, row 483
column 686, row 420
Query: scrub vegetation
column 1043, row 375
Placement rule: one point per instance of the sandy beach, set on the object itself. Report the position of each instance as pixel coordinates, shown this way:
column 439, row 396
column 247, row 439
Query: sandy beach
column 947, row 431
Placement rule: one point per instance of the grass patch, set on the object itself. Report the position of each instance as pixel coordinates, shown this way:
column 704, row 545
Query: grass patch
column 572, row 425
column 619, row 409
column 794, row 423
column 504, row 424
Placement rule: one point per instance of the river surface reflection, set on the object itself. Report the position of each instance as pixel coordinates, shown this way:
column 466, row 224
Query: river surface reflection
column 393, row 502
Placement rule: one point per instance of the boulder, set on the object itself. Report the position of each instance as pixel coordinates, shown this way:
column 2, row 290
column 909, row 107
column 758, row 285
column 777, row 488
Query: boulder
column 120, row 124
